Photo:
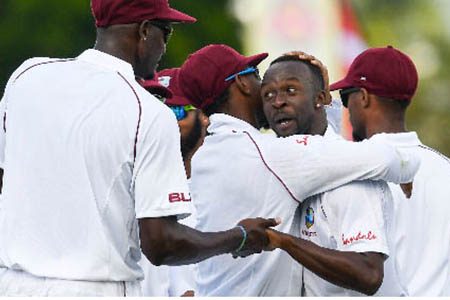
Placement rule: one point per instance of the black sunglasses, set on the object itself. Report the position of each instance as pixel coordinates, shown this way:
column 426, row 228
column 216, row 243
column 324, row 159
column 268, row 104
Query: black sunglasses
column 165, row 27
column 345, row 93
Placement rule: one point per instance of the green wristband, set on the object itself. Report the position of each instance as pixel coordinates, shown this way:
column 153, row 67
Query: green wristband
column 244, row 238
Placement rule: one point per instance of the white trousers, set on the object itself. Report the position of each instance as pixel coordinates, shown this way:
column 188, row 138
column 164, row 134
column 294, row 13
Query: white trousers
column 22, row 284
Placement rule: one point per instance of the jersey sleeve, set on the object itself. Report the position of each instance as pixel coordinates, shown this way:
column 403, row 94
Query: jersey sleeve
column 160, row 183
column 2, row 131
column 356, row 216
column 309, row 165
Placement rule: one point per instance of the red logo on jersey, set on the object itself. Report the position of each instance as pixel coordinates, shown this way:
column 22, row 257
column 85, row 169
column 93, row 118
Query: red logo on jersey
column 369, row 236
column 179, row 197
column 303, row 141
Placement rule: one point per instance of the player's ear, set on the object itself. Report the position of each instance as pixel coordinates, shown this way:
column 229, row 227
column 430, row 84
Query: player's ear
column 243, row 84
column 320, row 100
column 365, row 98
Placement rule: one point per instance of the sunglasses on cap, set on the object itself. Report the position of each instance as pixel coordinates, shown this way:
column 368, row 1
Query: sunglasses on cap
column 165, row 27
column 249, row 70
column 181, row 111
column 345, row 93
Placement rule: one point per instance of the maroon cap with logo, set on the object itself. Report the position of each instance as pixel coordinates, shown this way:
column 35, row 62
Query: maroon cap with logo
column 385, row 72
column 112, row 12
column 154, row 87
column 169, row 79
column 202, row 76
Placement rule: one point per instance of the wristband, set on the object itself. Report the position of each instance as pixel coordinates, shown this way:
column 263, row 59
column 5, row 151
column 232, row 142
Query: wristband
column 244, row 238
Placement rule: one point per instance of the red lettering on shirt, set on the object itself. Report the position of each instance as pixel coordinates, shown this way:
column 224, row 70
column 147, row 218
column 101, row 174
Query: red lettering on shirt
column 179, row 197
column 369, row 236
column 303, row 141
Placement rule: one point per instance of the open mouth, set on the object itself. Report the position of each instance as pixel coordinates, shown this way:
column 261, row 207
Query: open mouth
column 283, row 121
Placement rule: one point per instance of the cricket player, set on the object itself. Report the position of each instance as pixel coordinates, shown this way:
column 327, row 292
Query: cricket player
column 377, row 90
column 342, row 242
column 93, row 172
column 239, row 171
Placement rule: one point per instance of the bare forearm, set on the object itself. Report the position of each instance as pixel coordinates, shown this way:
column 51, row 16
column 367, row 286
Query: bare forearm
column 193, row 246
column 346, row 269
column 165, row 241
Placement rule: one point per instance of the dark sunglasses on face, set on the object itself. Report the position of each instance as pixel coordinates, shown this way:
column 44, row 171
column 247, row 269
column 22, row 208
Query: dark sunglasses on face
column 248, row 70
column 165, row 27
column 345, row 93
column 181, row 111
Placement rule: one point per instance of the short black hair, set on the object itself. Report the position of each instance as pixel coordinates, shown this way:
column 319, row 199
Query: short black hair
column 218, row 103
column 318, row 83
column 399, row 104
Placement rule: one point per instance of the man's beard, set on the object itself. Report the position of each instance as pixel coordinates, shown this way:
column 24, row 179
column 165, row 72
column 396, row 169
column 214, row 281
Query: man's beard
column 189, row 142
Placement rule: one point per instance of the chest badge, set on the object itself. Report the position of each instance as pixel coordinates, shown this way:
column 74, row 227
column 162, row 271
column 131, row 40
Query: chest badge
column 309, row 217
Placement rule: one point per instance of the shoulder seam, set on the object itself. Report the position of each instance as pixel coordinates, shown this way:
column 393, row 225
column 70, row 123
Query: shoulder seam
column 270, row 170
column 139, row 115
column 43, row 63
column 436, row 152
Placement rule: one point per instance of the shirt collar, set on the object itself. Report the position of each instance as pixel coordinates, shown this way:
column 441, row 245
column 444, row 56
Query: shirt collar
column 331, row 134
column 107, row 61
column 399, row 139
column 220, row 123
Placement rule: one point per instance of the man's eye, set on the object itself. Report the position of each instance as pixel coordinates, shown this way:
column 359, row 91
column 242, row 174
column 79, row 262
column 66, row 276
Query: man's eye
column 268, row 95
column 291, row 90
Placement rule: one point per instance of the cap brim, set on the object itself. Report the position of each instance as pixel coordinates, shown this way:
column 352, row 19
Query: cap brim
column 176, row 16
column 341, row 84
column 177, row 101
column 255, row 60
column 156, row 88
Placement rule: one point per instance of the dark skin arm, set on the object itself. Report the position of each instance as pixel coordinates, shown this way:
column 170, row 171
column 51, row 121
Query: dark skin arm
column 362, row 272
column 166, row 242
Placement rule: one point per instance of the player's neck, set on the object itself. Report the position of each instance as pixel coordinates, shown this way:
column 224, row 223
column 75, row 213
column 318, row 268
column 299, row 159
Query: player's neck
column 391, row 126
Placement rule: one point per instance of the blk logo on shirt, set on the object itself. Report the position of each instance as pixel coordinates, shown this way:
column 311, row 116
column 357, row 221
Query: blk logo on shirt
column 179, row 197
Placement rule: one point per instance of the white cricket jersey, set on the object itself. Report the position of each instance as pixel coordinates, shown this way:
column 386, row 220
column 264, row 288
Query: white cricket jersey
column 419, row 264
column 239, row 173
column 348, row 218
column 230, row 182
column 86, row 151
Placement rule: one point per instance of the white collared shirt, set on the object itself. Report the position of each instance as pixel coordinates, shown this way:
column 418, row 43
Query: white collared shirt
column 419, row 264
column 86, row 152
column 240, row 173
column 348, row 218
column 230, row 182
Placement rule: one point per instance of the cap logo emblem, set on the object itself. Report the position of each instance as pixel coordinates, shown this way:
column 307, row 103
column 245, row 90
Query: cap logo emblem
column 363, row 78
column 164, row 81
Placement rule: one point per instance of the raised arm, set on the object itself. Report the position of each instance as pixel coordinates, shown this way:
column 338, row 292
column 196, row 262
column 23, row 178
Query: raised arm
column 309, row 165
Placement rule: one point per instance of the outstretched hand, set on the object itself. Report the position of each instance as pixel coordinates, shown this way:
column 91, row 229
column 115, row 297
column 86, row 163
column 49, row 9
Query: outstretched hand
column 257, row 237
column 323, row 69
column 275, row 238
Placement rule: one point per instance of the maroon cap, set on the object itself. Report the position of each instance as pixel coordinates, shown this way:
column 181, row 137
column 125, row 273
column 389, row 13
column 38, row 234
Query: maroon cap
column 169, row 79
column 385, row 72
column 202, row 76
column 154, row 87
column 112, row 12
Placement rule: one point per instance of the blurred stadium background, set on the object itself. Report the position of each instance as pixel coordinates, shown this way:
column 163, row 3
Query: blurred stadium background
column 335, row 31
